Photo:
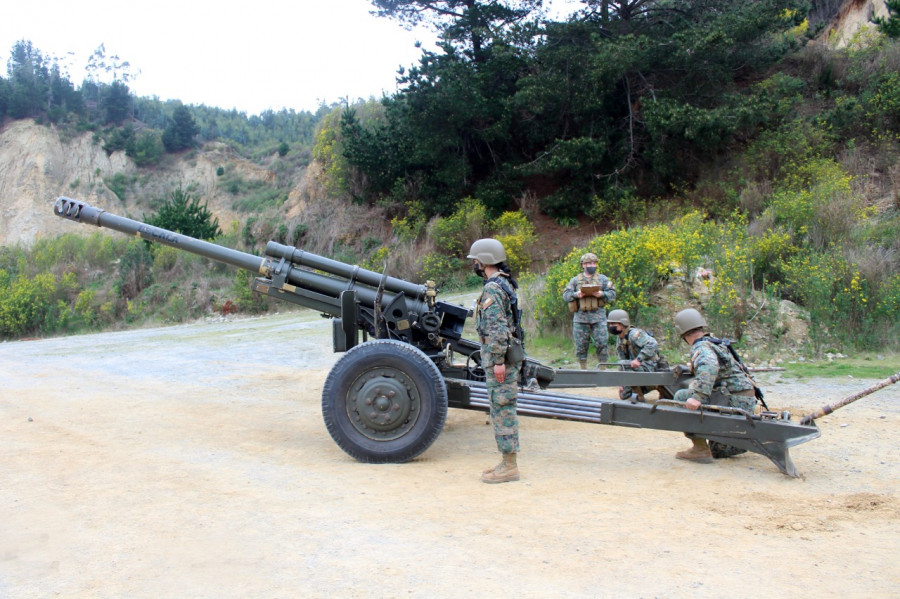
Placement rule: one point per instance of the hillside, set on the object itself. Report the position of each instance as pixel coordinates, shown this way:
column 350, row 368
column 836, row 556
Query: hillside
column 37, row 167
column 808, row 191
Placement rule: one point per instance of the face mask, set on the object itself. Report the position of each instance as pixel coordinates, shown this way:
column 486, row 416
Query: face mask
column 478, row 270
column 614, row 330
column 590, row 269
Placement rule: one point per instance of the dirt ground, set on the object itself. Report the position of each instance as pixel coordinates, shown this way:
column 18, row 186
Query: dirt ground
column 192, row 461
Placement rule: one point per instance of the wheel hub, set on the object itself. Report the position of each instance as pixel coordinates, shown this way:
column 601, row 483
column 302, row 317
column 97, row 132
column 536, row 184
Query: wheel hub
column 383, row 404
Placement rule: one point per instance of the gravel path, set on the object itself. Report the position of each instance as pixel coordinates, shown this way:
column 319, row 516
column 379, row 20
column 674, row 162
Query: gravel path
column 192, row 461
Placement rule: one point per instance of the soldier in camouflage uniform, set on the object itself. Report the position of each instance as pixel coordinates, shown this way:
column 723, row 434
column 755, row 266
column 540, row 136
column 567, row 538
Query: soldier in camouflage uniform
column 637, row 350
column 495, row 324
column 589, row 319
column 719, row 379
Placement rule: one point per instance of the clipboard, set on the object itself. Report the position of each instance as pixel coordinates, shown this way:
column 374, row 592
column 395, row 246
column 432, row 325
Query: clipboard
column 589, row 290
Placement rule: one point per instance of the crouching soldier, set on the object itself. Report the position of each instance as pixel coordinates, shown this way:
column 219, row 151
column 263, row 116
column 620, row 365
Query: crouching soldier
column 719, row 379
column 638, row 351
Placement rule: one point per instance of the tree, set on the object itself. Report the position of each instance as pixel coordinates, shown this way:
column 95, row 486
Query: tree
column 184, row 214
column 181, row 130
column 109, row 69
column 890, row 26
column 116, row 102
column 469, row 25
column 626, row 96
column 4, row 96
column 29, row 77
column 147, row 148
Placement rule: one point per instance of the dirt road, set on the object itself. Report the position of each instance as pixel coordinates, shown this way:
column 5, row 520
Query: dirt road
column 192, row 461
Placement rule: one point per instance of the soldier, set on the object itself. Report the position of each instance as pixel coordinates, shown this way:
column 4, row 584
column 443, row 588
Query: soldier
column 496, row 323
column 637, row 350
column 719, row 378
column 587, row 295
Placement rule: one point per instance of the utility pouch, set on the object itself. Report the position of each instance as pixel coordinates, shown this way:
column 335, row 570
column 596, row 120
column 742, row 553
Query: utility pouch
column 573, row 306
column 515, row 352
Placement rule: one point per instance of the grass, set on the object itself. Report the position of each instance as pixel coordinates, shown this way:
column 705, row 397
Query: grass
column 552, row 349
column 864, row 366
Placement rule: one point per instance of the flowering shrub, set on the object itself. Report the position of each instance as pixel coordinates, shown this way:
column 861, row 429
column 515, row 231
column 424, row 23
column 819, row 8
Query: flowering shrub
column 636, row 260
column 516, row 233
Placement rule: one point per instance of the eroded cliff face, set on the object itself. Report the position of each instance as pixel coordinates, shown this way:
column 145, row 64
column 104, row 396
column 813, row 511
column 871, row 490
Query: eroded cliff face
column 37, row 166
column 854, row 19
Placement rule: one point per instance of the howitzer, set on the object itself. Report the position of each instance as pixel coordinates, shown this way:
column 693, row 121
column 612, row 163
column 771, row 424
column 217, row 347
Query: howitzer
column 386, row 398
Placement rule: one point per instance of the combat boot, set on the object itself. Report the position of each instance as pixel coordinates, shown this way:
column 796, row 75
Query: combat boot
column 504, row 472
column 583, row 364
column 699, row 453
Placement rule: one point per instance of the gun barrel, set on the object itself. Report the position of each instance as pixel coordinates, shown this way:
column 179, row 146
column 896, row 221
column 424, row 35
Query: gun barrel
column 339, row 277
column 346, row 271
column 82, row 212
column 828, row 409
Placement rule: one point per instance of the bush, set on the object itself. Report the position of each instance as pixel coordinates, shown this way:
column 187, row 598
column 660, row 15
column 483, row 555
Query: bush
column 517, row 234
column 184, row 214
column 135, row 271
column 815, row 203
column 636, row 260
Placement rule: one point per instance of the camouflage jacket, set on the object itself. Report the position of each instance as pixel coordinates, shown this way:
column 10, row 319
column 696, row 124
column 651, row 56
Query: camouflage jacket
column 714, row 367
column 609, row 294
column 494, row 322
column 639, row 344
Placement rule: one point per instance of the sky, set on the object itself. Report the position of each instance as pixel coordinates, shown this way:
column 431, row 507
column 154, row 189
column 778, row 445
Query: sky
column 252, row 56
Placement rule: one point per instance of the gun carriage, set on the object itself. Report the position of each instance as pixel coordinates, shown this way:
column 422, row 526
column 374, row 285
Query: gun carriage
column 405, row 360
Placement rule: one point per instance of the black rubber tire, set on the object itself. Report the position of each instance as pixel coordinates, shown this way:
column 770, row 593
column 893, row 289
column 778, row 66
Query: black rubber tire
column 375, row 382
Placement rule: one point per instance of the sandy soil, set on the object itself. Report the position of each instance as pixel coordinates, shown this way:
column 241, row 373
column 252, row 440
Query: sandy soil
column 192, row 461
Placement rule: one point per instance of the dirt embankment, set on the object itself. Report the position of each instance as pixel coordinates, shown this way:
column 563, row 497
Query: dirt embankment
column 192, row 461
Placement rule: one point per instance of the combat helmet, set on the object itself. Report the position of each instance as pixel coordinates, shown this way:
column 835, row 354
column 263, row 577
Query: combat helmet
column 589, row 257
column 620, row 317
column 688, row 320
column 487, row 251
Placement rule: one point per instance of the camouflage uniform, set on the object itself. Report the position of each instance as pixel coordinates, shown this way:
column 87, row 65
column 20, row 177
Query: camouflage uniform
column 718, row 378
column 639, row 344
column 589, row 325
column 494, row 324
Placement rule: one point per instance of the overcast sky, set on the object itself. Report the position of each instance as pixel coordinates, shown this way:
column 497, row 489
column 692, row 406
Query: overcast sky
column 253, row 56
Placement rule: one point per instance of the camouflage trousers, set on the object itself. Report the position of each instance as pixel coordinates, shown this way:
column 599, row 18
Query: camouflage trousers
column 503, row 408
column 744, row 402
column 626, row 392
column 586, row 333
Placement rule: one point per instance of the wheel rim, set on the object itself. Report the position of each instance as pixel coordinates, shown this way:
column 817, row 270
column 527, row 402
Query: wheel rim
column 383, row 404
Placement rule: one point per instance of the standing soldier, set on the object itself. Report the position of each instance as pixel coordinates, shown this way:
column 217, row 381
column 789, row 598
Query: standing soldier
column 587, row 295
column 719, row 379
column 637, row 350
column 496, row 320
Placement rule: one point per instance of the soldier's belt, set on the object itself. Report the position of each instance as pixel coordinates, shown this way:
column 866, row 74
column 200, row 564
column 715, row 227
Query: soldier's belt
column 589, row 304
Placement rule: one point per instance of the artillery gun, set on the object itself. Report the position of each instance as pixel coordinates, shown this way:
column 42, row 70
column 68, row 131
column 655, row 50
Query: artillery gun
column 406, row 362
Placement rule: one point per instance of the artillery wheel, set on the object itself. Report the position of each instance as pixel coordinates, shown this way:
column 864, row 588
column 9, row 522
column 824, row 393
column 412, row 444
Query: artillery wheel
column 384, row 401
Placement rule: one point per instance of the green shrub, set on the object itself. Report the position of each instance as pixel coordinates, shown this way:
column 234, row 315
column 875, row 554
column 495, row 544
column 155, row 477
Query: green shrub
column 455, row 233
column 517, row 234
column 134, row 270
column 636, row 260
column 184, row 214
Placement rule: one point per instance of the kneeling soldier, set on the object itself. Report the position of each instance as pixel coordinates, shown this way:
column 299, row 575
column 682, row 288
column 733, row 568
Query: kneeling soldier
column 719, row 379
column 637, row 350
